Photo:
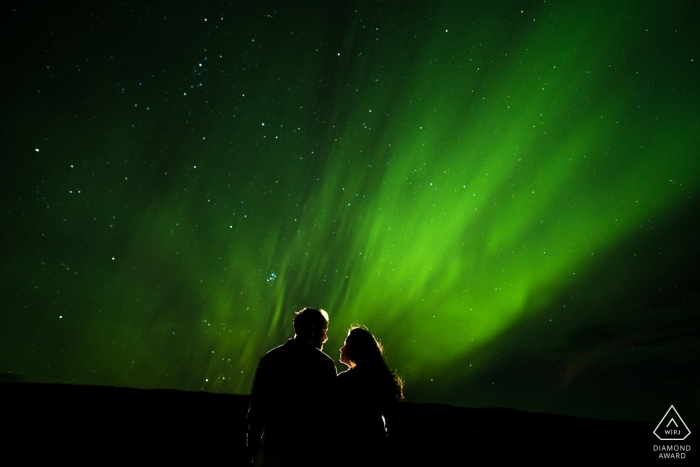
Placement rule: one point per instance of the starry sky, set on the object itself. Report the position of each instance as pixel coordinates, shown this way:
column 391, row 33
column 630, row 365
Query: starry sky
column 506, row 194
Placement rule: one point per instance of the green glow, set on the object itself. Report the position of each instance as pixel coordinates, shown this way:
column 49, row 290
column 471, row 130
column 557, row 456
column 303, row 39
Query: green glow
column 438, row 174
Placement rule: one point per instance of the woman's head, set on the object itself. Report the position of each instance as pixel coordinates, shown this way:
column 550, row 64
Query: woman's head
column 360, row 348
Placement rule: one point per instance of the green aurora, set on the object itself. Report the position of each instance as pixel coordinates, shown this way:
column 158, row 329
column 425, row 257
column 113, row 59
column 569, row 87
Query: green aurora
column 486, row 187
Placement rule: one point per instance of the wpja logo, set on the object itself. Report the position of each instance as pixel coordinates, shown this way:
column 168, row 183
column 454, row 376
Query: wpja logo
column 672, row 428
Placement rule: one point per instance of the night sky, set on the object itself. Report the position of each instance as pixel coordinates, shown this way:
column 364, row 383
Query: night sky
column 507, row 194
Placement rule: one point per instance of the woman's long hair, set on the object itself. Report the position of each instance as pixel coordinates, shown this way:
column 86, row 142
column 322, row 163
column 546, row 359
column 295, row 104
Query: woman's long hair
column 367, row 352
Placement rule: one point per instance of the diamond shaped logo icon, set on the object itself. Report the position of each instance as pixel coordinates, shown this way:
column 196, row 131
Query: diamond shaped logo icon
column 671, row 427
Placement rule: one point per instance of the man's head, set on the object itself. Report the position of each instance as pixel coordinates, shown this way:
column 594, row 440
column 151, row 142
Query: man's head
column 311, row 325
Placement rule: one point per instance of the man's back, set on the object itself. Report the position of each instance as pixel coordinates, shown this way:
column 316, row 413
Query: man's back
column 292, row 391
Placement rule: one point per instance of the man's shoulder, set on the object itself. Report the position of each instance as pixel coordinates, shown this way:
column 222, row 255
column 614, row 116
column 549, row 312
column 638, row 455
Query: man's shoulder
column 294, row 346
column 279, row 348
column 312, row 353
column 297, row 351
column 277, row 352
column 328, row 360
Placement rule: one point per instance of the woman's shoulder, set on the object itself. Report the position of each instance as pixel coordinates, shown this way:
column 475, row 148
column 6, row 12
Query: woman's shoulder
column 359, row 376
column 354, row 376
column 347, row 383
column 347, row 374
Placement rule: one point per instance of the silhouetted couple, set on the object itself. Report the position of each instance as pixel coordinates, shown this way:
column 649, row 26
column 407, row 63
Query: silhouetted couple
column 301, row 408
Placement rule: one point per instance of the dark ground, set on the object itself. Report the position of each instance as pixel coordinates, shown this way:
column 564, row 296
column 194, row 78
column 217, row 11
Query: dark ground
column 51, row 422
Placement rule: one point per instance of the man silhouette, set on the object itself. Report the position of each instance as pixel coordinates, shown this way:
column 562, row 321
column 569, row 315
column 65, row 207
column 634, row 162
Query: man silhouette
column 292, row 390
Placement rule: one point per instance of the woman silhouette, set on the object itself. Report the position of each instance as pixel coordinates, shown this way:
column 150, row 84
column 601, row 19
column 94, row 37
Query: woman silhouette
column 371, row 393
